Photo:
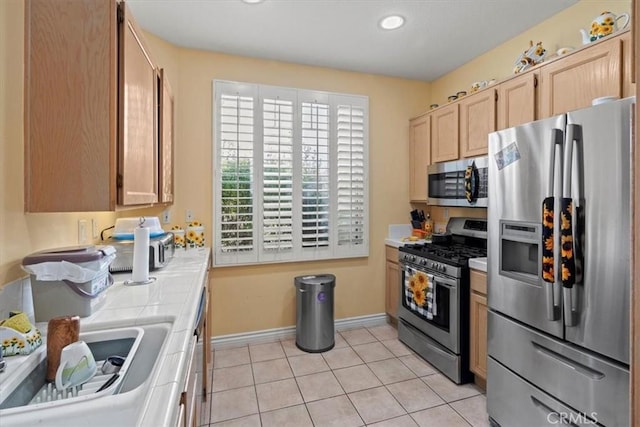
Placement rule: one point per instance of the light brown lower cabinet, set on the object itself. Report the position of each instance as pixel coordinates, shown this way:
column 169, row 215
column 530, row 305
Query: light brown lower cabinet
column 478, row 325
column 392, row 292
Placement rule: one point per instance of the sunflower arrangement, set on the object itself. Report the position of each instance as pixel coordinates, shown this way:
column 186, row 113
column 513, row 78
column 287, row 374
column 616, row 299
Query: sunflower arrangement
column 178, row 237
column 195, row 235
column 418, row 286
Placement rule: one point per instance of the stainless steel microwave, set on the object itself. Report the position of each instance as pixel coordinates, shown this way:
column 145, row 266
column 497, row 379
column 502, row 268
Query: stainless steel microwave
column 459, row 183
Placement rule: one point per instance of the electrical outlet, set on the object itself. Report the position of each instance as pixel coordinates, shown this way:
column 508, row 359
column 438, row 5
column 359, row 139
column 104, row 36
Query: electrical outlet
column 82, row 231
column 94, row 228
column 166, row 216
column 189, row 215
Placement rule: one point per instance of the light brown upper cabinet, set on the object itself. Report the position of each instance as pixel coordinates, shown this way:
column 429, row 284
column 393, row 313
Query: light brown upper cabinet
column 166, row 139
column 444, row 133
column 91, row 112
column 138, row 153
column 477, row 120
column 517, row 101
column 419, row 156
column 574, row 81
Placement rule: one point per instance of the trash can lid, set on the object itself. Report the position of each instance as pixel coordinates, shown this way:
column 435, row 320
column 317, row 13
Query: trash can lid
column 73, row 254
column 320, row 279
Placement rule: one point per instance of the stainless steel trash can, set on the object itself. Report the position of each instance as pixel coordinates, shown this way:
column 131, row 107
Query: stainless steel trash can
column 314, row 313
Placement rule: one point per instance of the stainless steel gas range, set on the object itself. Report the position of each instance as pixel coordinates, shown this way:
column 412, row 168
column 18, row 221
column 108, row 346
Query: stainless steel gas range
column 433, row 311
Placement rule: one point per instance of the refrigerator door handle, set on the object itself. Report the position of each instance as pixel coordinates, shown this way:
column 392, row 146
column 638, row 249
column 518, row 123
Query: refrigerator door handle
column 567, row 244
column 548, row 239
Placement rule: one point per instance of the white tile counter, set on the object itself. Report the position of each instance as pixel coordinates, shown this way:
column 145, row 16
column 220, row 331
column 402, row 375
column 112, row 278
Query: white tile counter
column 174, row 297
column 478, row 264
column 398, row 232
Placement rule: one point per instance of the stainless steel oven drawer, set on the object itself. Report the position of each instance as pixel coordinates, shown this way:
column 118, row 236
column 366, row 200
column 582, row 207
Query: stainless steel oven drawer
column 448, row 363
column 588, row 383
column 511, row 401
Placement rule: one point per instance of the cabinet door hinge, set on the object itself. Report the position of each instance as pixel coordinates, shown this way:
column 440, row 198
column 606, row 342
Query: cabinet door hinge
column 119, row 181
column 535, row 81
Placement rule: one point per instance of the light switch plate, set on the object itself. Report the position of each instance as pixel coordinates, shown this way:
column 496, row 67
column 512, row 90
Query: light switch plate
column 166, row 216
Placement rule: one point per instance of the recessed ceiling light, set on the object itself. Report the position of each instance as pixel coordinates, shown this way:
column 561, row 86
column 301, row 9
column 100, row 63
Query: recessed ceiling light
column 391, row 22
column 253, row 1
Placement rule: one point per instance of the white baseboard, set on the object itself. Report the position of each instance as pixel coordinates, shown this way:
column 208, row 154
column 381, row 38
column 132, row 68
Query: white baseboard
column 268, row 335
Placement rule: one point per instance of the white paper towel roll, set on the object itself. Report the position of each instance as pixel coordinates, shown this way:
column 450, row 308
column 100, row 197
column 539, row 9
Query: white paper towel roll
column 140, row 271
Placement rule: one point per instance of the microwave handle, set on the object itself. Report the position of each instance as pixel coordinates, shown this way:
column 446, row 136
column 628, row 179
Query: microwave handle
column 471, row 183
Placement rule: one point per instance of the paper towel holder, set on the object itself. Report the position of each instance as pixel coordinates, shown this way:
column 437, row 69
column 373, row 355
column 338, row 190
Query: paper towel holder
column 143, row 279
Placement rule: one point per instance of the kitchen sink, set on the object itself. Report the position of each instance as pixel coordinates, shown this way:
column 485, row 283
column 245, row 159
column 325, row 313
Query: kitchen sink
column 25, row 396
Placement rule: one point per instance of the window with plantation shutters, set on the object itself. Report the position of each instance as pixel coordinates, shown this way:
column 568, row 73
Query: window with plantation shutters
column 290, row 181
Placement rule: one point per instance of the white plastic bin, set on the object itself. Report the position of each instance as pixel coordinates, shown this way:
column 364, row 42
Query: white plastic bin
column 69, row 281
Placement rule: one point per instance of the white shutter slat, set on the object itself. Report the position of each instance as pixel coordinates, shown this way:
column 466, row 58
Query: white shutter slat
column 350, row 175
column 277, row 175
column 315, row 197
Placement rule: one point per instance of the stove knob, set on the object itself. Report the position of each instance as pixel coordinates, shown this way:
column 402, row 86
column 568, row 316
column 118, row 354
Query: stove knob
column 443, row 268
column 413, row 258
column 424, row 262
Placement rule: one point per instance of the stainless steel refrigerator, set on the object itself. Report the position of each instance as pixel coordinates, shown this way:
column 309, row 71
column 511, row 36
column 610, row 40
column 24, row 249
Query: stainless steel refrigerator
column 559, row 270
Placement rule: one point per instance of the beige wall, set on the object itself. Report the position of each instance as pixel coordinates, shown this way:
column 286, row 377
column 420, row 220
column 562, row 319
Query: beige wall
column 559, row 31
column 262, row 297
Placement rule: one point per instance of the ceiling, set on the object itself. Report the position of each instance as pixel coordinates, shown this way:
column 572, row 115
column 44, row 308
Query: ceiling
column 437, row 37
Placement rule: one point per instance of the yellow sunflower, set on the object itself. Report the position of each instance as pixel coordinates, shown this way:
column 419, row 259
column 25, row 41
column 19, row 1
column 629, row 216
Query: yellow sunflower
column 548, row 244
column 413, row 285
column 6, row 343
column 422, row 280
column 547, row 217
column 567, row 247
column 420, row 296
column 191, row 235
column 565, row 273
column 565, row 222
column 548, row 274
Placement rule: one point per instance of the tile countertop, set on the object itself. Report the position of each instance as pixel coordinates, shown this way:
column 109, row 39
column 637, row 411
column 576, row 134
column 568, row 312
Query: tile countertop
column 396, row 234
column 478, row 264
column 174, row 297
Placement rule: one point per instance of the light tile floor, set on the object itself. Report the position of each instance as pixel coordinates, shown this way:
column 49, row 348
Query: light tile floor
column 369, row 378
